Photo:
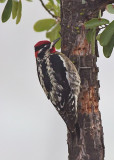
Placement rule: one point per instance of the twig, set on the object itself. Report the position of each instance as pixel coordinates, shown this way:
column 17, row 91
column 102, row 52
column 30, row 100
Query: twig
column 48, row 10
column 101, row 7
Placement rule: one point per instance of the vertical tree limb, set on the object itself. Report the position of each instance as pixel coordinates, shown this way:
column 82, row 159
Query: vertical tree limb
column 74, row 44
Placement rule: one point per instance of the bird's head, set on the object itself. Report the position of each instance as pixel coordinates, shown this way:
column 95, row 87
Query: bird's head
column 43, row 46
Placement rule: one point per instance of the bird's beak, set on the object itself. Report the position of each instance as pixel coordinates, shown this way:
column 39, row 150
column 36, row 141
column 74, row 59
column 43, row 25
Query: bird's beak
column 54, row 42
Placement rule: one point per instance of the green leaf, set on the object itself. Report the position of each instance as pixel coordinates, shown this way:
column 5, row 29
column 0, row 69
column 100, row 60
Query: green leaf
column 99, row 16
column 110, row 8
column 19, row 12
column 58, row 1
column 95, row 22
column 7, row 11
column 2, row 1
column 44, row 24
column 93, row 40
column 89, row 35
column 107, row 50
column 14, row 9
column 107, row 34
column 51, row 1
column 58, row 44
column 98, row 37
column 54, row 8
column 54, row 34
column 58, row 10
column 49, row 6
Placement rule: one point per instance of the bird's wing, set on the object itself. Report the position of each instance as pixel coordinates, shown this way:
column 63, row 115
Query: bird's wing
column 44, row 78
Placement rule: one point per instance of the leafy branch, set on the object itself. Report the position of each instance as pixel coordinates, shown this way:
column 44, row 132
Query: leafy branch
column 106, row 38
column 14, row 7
column 52, row 25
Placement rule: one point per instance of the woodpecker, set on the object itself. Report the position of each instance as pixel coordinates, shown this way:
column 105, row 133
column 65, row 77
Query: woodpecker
column 59, row 79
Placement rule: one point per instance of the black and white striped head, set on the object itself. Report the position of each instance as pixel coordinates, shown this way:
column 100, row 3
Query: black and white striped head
column 42, row 46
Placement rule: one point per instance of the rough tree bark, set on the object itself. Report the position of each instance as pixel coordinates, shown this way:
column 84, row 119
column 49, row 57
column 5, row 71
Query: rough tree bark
column 74, row 44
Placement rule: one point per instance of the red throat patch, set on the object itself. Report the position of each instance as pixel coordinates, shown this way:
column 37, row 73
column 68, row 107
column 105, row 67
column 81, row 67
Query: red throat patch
column 52, row 50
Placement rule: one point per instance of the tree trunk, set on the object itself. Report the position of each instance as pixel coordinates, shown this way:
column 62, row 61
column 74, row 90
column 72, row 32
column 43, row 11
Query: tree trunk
column 74, row 13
